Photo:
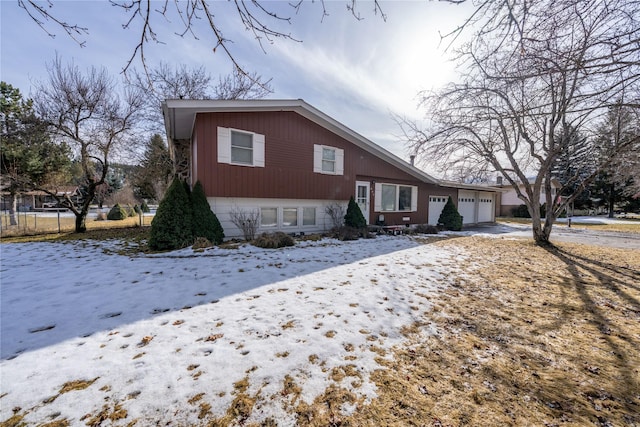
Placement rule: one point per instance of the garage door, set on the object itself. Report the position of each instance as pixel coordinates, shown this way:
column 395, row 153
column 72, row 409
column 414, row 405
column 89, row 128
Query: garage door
column 467, row 206
column 486, row 207
column 436, row 203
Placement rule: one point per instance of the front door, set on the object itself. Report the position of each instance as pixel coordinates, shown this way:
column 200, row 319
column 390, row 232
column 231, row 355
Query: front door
column 362, row 198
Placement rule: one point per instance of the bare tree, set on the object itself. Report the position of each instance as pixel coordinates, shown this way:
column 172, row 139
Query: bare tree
column 86, row 112
column 261, row 18
column 530, row 72
column 182, row 82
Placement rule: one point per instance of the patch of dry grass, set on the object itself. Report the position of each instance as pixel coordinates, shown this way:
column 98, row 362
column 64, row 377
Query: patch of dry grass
column 533, row 337
column 629, row 226
column 33, row 224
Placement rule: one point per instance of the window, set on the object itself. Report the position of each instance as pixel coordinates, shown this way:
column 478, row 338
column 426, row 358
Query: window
column 396, row 198
column 290, row 217
column 404, row 198
column 388, row 197
column 268, row 217
column 242, row 148
column 308, row 216
column 328, row 160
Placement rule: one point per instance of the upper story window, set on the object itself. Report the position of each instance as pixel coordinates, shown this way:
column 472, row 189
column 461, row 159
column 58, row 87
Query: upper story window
column 242, row 148
column 328, row 160
column 396, row 198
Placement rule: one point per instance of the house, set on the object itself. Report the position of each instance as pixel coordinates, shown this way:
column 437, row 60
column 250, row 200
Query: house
column 37, row 200
column 509, row 198
column 287, row 161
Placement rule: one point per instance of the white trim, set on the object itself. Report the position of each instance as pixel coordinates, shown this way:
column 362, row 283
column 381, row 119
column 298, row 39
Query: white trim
column 318, row 151
column 224, row 145
column 257, row 147
column 367, row 203
column 378, row 198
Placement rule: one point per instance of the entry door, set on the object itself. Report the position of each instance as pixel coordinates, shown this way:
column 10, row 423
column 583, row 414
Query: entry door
column 362, row 198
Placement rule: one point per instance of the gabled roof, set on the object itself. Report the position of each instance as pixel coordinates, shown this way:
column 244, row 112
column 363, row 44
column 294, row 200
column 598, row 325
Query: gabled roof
column 180, row 114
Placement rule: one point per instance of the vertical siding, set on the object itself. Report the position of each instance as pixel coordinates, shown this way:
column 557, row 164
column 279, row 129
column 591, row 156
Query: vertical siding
column 289, row 140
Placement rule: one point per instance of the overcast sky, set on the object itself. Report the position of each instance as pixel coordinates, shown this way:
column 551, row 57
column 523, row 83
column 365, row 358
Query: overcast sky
column 356, row 71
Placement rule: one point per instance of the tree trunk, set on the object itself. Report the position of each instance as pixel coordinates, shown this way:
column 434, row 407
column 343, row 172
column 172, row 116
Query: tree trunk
column 81, row 222
column 542, row 232
column 13, row 207
column 612, row 199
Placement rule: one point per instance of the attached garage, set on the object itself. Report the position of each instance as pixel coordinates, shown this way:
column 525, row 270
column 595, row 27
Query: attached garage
column 436, row 204
column 467, row 206
column 486, row 207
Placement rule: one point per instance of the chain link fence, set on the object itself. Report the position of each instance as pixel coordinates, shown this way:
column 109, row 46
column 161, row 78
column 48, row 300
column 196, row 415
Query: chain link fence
column 57, row 221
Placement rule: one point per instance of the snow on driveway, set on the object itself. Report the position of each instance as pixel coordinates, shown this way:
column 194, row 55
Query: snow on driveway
column 158, row 330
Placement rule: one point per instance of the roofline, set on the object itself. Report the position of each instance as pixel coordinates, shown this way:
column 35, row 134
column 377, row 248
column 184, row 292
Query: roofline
column 190, row 107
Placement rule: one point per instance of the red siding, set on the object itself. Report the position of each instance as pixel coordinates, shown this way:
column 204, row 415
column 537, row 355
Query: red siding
column 288, row 171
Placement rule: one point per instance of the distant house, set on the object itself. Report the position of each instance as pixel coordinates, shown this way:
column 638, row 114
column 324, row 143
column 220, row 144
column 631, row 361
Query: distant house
column 288, row 161
column 39, row 200
column 509, row 198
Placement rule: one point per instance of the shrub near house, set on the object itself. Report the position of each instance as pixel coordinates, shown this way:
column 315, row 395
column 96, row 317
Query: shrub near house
column 450, row 219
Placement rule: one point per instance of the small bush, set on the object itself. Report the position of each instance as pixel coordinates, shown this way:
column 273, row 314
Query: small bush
column 201, row 243
column 101, row 216
column 117, row 213
column 345, row 233
column 425, row 229
column 131, row 211
column 144, row 207
column 274, row 240
column 520, row 212
column 205, row 222
column 171, row 227
column 450, row 219
column 137, row 209
column 354, row 217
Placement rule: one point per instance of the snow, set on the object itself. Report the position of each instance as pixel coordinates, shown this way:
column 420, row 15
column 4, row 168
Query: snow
column 156, row 330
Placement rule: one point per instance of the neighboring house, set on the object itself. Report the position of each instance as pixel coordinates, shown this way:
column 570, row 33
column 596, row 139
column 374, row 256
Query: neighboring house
column 39, row 200
column 288, row 161
column 509, row 199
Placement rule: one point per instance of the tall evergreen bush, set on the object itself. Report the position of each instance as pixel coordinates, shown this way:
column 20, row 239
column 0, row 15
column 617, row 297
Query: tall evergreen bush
column 450, row 219
column 205, row 222
column 354, row 217
column 172, row 225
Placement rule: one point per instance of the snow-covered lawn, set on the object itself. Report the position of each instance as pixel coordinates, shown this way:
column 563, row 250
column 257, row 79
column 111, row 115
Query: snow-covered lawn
column 171, row 337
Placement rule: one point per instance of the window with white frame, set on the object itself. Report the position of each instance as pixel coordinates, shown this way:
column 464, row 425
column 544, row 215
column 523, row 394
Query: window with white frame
column 396, row 198
column 239, row 147
column 328, row 160
column 289, row 217
column 308, row 216
column 268, row 217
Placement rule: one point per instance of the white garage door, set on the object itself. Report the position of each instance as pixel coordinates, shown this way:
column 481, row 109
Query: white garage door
column 436, row 203
column 486, row 207
column 467, row 206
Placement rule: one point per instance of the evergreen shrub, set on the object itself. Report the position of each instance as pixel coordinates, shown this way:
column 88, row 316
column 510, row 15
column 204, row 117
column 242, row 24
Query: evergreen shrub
column 205, row 222
column 117, row 213
column 450, row 219
column 354, row 217
column 144, row 207
column 171, row 227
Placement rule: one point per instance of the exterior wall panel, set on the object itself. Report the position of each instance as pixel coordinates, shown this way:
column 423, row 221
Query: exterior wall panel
column 289, row 140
